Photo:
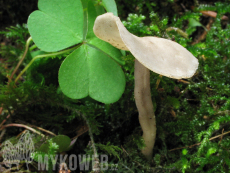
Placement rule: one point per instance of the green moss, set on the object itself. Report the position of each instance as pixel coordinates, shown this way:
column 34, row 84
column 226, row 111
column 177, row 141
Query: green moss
column 188, row 113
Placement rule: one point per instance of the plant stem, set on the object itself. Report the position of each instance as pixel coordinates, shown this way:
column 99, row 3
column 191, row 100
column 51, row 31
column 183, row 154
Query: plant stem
column 142, row 94
column 23, row 57
column 33, row 47
column 44, row 56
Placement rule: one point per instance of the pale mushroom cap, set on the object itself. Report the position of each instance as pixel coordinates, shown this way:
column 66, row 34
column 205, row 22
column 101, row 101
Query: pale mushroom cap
column 105, row 28
column 160, row 55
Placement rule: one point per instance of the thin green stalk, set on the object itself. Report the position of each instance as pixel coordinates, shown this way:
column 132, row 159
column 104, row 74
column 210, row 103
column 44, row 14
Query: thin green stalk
column 44, row 56
column 96, row 167
column 23, row 57
column 33, row 47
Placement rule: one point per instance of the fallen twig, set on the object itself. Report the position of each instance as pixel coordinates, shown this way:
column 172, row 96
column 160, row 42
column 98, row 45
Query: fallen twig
column 8, row 116
column 22, row 125
column 44, row 130
column 200, row 142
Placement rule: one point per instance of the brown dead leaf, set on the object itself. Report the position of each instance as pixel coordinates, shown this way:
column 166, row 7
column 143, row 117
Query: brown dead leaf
column 213, row 14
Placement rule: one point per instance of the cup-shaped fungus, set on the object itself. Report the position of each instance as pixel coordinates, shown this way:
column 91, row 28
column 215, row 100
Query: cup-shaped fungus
column 159, row 55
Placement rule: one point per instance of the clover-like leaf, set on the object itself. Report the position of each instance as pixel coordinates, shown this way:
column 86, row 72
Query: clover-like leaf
column 110, row 6
column 57, row 24
column 108, row 49
column 92, row 14
column 93, row 40
column 89, row 71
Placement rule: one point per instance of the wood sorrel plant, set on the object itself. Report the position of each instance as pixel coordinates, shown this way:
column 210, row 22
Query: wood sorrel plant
column 91, row 68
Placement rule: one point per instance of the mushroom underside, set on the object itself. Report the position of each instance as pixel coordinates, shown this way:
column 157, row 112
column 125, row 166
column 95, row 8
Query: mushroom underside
column 160, row 55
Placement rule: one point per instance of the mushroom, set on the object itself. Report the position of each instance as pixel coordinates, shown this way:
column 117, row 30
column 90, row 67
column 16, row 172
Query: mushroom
column 159, row 55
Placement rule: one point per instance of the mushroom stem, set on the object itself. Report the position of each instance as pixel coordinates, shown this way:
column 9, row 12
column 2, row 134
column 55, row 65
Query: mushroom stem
column 142, row 94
